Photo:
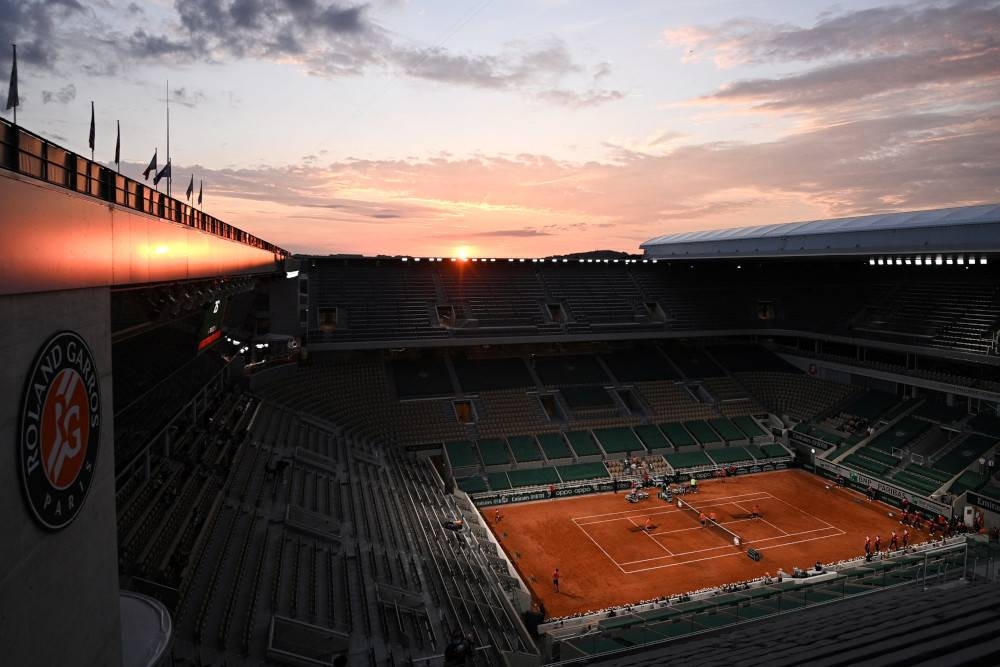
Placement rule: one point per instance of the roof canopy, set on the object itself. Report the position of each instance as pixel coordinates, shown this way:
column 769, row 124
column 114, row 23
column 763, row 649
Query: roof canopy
column 961, row 229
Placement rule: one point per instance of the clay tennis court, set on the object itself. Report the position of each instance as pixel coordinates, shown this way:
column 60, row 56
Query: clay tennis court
column 605, row 557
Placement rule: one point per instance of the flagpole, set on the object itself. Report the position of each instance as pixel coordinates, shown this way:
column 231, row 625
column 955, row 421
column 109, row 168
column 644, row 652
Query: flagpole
column 13, row 76
column 170, row 173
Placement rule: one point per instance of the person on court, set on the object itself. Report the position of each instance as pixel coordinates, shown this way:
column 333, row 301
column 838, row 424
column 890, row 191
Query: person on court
column 649, row 525
column 906, row 537
column 878, row 544
column 713, row 516
column 498, row 516
column 893, row 542
column 868, row 545
column 555, row 580
column 755, row 512
column 703, row 519
column 694, row 485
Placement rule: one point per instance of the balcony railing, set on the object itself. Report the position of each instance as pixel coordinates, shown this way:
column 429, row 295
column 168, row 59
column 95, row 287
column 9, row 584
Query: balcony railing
column 31, row 155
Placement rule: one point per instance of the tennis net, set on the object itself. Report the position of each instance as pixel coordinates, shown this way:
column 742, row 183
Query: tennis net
column 722, row 530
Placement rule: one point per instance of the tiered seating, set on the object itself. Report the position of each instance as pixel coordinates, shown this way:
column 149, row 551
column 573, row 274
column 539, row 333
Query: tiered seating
column 964, row 453
column 727, row 429
column 678, row 435
column 578, row 472
column 693, row 361
column 418, row 378
column 488, row 301
column 524, row 448
column 682, row 460
column 462, row 454
column 702, row 432
column 748, row 426
column 640, row 364
column 593, row 295
column 670, row 402
column 571, row 369
column 555, row 446
column 618, row 440
column 730, row 455
column 582, row 442
column 796, row 395
column 480, row 374
column 651, row 437
column 493, row 451
column 373, row 301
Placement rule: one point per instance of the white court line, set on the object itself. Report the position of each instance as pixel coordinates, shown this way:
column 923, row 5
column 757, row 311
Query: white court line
column 666, row 509
column 674, row 504
column 761, row 518
column 606, row 554
column 655, row 541
column 738, row 553
column 802, row 511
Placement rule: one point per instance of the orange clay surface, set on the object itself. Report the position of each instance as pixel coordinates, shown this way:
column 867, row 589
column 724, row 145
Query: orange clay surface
column 605, row 558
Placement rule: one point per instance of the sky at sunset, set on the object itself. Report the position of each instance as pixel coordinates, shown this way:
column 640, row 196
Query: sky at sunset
column 523, row 127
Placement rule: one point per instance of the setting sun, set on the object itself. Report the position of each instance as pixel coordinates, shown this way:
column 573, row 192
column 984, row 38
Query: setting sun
column 463, row 252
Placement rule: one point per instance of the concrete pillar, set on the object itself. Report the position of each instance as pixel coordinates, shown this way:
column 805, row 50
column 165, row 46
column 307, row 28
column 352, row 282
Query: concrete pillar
column 58, row 588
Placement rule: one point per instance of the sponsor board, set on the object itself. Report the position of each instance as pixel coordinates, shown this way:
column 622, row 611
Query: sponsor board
column 982, row 502
column 808, row 440
column 60, row 430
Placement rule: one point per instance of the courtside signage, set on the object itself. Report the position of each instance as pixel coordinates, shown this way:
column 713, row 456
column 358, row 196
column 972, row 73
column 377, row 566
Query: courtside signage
column 60, row 430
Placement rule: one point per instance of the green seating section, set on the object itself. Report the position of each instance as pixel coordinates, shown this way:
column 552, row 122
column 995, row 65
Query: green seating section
column 967, row 481
column 618, row 439
column 687, row 459
column 677, row 435
column 965, row 453
column 498, row 481
column 871, row 404
column 524, row 448
column 493, row 451
column 867, row 465
column 929, row 473
column 702, row 432
column 899, row 434
column 580, row 471
column 878, row 455
column 461, row 453
column 474, row 484
column 748, row 425
column 916, row 483
column 533, row 477
column 816, row 432
column 991, row 490
column 582, row 443
column 554, row 445
column 727, row 429
column 730, row 455
column 651, row 437
column 587, row 397
column 774, row 450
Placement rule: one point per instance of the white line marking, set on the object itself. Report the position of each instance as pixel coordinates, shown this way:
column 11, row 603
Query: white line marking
column 655, row 541
column 762, row 519
column 606, row 554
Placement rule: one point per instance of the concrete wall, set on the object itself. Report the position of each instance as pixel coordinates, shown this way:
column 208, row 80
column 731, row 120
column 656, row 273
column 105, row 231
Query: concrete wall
column 58, row 239
column 58, row 590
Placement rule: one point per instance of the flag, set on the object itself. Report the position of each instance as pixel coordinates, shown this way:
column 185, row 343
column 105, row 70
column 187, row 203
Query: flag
column 12, row 101
column 118, row 145
column 164, row 173
column 190, row 189
column 93, row 130
column 150, row 168
column 201, row 188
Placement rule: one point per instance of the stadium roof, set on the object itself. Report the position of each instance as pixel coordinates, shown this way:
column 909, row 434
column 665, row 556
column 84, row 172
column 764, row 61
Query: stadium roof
column 961, row 229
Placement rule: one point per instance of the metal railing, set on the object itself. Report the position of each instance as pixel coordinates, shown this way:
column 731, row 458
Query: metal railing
column 30, row 155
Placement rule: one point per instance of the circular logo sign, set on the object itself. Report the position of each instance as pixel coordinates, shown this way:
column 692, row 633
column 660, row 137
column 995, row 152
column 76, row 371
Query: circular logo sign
column 60, row 430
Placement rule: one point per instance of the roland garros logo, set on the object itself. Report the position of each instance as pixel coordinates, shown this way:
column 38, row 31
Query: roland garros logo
column 60, row 430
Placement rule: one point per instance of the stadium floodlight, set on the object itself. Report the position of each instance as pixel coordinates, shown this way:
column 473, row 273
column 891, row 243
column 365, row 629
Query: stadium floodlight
column 613, row 261
column 521, row 260
column 292, row 274
column 908, row 261
column 654, row 261
column 493, row 259
column 416, row 259
column 899, row 261
column 881, row 261
column 406, row 259
column 949, row 261
column 236, row 342
column 982, row 260
column 938, row 261
column 918, row 261
column 871, row 261
column 580, row 261
column 565, row 260
column 510, row 259
column 645, row 261
column 960, row 260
